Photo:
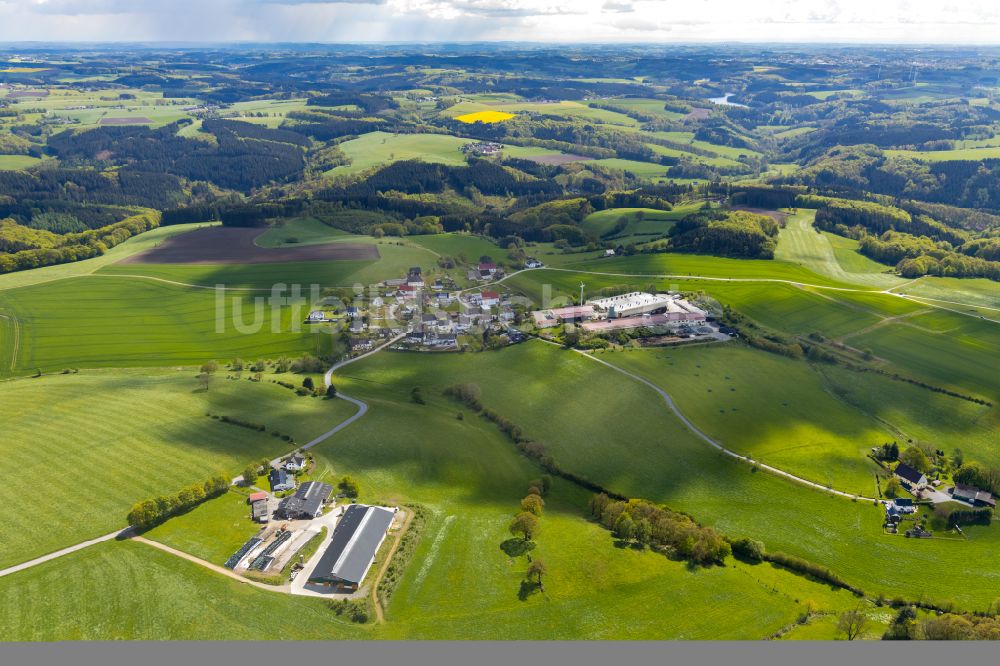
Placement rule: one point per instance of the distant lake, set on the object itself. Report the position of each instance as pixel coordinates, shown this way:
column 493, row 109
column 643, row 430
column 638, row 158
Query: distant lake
column 724, row 100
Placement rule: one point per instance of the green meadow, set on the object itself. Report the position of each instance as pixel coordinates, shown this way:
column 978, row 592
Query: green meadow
column 213, row 530
column 377, row 148
column 116, row 321
column 800, row 243
column 774, row 409
column 568, row 403
column 107, row 439
column 639, row 222
column 304, row 231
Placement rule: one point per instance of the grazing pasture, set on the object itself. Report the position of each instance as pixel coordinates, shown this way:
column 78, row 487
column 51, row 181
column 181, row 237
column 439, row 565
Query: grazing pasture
column 114, row 321
column 213, row 530
column 17, row 162
column 118, row 591
column 800, row 243
column 107, row 439
column 642, row 452
column 379, row 148
column 639, row 222
column 772, row 408
column 302, row 231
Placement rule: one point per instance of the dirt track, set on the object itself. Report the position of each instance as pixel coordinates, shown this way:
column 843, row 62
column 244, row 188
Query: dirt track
column 227, row 245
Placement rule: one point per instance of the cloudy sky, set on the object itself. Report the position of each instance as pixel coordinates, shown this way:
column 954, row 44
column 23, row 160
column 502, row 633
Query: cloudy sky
column 921, row 21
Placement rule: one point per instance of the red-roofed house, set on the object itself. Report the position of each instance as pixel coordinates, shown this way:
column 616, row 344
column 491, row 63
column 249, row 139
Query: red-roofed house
column 489, row 299
column 488, row 268
column 256, row 497
column 408, row 291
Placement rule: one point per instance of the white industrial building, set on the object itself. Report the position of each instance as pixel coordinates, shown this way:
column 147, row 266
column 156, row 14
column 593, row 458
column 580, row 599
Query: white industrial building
column 631, row 304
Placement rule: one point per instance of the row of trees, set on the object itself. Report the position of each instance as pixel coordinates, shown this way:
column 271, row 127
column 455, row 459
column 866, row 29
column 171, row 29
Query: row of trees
column 152, row 512
column 77, row 246
column 648, row 525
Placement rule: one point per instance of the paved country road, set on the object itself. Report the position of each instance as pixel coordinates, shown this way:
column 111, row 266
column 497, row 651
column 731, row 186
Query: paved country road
column 126, row 532
column 694, row 429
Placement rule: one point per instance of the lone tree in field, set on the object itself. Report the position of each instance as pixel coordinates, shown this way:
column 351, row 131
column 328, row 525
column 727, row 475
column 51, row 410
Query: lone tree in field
column 417, row 395
column 250, row 474
column 525, row 524
column 349, row 487
column 308, row 383
column 533, row 504
column 852, row 623
column 207, row 370
column 331, row 391
column 892, row 488
column 536, row 570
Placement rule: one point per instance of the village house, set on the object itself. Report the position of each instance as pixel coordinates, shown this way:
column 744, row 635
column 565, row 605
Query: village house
column 280, row 480
column 489, row 299
column 360, row 344
column 910, row 477
column 408, row 291
column 295, row 463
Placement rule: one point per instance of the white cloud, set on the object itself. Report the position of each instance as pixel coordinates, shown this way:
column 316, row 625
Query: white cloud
column 974, row 21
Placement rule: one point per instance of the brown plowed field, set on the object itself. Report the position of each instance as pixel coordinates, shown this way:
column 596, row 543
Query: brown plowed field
column 227, row 245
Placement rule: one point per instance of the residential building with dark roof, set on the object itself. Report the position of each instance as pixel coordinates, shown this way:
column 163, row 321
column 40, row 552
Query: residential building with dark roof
column 351, row 552
column 910, row 475
column 307, row 502
column 280, row 480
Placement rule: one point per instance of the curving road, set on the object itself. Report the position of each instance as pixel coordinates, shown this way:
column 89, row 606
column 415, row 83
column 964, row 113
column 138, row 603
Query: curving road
column 714, row 443
column 126, row 532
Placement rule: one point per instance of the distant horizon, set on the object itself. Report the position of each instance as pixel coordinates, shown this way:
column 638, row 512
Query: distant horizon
column 5, row 44
column 848, row 22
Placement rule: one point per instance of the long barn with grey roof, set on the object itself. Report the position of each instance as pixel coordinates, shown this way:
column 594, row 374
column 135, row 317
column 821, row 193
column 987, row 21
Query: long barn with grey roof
column 356, row 540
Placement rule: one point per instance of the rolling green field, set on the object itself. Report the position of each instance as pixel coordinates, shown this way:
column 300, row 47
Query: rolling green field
column 117, row 591
column 376, row 148
column 107, row 439
column 652, row 221
column 973, row 154
column 16, row 162
column 800, row 243
column 641, row 169
column 772, row 408
column 953, row 355
column 305, row 231
column 213, row 530
column 973, row 291
column 460, row 245
column 114, row 321
column 649, row 454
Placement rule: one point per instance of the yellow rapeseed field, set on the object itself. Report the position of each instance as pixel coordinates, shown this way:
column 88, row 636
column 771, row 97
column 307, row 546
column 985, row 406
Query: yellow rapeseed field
column 485, row 117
